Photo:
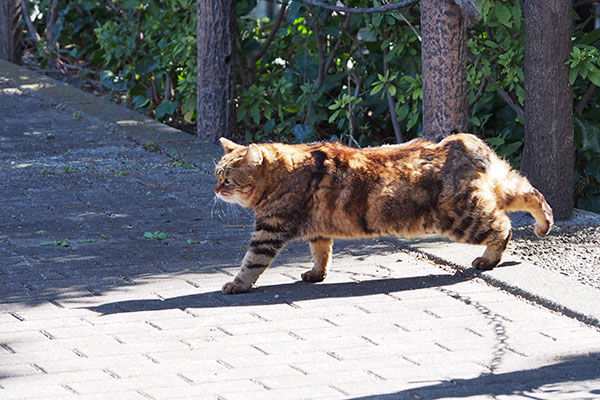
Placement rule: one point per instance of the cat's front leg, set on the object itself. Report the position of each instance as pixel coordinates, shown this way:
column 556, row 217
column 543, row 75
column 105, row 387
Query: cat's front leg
column 263, row 248
column 320, row 249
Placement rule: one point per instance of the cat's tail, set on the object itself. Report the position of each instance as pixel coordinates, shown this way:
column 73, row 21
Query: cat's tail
column 515, row 193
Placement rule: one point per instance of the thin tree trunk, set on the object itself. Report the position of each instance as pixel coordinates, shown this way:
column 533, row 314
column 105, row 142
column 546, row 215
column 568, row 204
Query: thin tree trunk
column 215, row 69
column 444, row 58
column 11, row 41
column 549, row 152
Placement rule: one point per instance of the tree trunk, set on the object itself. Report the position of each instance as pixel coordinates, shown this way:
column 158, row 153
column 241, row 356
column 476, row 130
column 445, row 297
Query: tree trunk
column 215, row 69
column 11, row 43
column 444, row 58
column 549, row 152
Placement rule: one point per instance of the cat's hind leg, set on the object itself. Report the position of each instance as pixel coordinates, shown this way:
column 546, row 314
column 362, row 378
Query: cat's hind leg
column 492, row 255
column 321, row 249
column 478, row 225
column 495, row 235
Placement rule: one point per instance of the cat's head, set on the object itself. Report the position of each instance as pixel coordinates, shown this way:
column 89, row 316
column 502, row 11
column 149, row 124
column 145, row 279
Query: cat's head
column 238, row 173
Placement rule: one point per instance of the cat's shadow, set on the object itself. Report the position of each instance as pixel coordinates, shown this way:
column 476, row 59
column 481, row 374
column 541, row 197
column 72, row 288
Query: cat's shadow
column 281, row 294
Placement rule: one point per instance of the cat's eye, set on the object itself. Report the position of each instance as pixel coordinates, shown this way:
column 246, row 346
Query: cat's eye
column 227, row 181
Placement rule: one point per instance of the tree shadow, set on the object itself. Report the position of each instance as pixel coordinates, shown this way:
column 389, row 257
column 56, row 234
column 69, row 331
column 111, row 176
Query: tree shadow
column 280, row 294
column 538, row 383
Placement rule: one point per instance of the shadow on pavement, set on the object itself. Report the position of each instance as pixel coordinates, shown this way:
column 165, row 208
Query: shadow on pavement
column 538, row 383
column 278, row 294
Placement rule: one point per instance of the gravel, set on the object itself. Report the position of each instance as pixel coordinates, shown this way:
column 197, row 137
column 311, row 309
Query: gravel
column 571, row 248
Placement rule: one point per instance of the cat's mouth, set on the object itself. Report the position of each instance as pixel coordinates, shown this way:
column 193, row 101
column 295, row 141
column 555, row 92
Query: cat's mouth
column 222, row 197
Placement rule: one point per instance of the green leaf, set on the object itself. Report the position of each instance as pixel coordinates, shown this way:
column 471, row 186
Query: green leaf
column 243, row 7
column 162, row 236
column 140, row 101
column 167, row 107
column 413, row 120
column 376, row 19
column 303, row 133
column 510, row 148
column 572, row 76
column 156, row 235
column 189, row 116
column 517, row 14
column 146, row 66
column 377, row 87
column 495, row 141
column 503, row 14
column 595, row 77
column 59, row 243
column 593, row 167
column 191, row 241
column 294, row 11
column 591, row 37
column 86, row 241
column 292, row 108
column 588, row 134
column 403, row 112
column 255, row 114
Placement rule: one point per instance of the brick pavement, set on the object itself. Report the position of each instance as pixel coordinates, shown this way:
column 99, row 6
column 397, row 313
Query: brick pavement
column 123, row 317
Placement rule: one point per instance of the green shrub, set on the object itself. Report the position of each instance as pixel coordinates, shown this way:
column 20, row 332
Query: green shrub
column 293, row 89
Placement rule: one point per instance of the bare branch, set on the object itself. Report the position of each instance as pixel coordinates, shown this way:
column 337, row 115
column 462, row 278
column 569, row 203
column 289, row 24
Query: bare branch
column 370, row 10
column 320, row 51
column 51, row 22
column 237, row 62
column 410, row 25
column 271, row 36
column 509, row 100
column 35, row 36
column 480, row 92
column 357, row 81
column 585, row 99
column 390, row 98
column 505, row 96
column 469, row 11
column 335, row 48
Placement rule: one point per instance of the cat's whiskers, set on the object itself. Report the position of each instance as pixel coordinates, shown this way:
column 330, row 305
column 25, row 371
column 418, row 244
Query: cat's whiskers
column 224, row 210
column 214, row 205
column 234, row 211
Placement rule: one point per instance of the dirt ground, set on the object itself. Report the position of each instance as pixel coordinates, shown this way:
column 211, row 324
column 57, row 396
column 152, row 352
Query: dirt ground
column 571, row 248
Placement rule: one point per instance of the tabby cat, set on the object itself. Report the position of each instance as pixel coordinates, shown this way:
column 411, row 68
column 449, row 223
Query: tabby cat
column 458, row 188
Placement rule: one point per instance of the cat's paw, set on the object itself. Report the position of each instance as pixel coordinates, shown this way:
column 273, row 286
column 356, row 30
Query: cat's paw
column 235, row 287
column 482, row 264
column 312, row 276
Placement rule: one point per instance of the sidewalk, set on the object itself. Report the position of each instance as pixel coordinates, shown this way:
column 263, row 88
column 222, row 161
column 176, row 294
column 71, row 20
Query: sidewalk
column 91, row 309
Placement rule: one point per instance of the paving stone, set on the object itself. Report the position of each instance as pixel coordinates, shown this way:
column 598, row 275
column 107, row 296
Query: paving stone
column 132, row 318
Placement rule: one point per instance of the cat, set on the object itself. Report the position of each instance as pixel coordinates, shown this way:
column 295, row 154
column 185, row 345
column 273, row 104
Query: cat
column 458, row 188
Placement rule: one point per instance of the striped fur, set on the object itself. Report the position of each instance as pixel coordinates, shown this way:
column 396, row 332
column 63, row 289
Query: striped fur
column 458, row 188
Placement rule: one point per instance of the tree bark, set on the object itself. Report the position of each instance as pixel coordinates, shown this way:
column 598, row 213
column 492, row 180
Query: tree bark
column 444, row 63
column 549, row 151
column 11, row 41
column 215, row 69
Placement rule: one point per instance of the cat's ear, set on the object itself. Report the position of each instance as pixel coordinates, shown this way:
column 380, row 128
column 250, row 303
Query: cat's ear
column 254, row 156
column 228, row 145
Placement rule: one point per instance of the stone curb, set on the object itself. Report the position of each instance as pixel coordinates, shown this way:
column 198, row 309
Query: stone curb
column 550, row 289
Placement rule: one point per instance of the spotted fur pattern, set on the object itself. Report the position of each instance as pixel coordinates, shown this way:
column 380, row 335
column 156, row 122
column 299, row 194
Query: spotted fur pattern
column 458, row 188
